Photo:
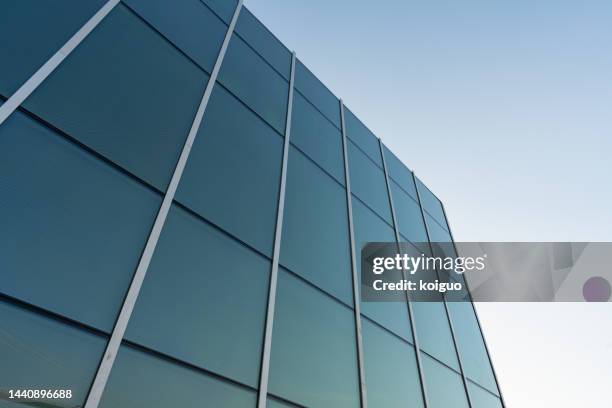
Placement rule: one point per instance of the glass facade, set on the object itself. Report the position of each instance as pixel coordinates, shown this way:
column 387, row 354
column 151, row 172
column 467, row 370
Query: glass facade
column 256, row 245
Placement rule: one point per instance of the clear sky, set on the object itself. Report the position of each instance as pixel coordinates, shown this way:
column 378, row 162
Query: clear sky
column 504, row 109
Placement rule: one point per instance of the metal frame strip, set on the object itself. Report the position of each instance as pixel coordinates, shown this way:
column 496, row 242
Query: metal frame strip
column 265, row 358
column 356, row 297
column 411, row 315
column 112, row 348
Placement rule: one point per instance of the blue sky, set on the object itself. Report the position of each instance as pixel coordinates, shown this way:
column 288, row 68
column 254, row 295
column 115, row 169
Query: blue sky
column 505, row 110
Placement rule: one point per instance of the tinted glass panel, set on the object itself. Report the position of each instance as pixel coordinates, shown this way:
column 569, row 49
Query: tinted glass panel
column 474, row 357
column 24, row 49
column 40, row 353
column 400, row 173
column 481, row 398
column 67, row 217
column 223, row 8
column 272, row 403
column 259, row 86
column 409, row 217
column 126, row 93
column 189, row 24
column 317, row 93
column 430, row 203
column 370, row 228
column 362, row 136
column 142, row 380
column 434, row 331
column 392, row 378
column 317, row 137
column 232, row 176
column 444, row 386
column 196, row 273
column 368, row 182
column 314, row 358
column 264, row 42
column 315, row 228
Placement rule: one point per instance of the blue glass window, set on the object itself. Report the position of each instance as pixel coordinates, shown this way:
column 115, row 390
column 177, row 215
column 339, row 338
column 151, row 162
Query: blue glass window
column 317, row 93
column 362, row 137
column 444, row 386
column 430, row 203
column 481, row 398
column 434, row 331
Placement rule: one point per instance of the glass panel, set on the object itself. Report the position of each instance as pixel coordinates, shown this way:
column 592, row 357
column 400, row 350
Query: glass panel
column 41, row 353
column 392, row 378
column 409, row 217
column 264, row 42
column 73, row 227
column 317, row 137
column 474, row 357
column 434, row 331
column 139, row 379
column 272, row 403
column 315, row 228
column 444, row 386
column 314, row 357
column 368, row 182
column 232, row 176
column 481, row 398
column 317, row 93
column 197, row 272
column 430, row 203
column 400, row 173
column 362, row 136
column 31, row 31
column 255, row 83
column 370, row 228
column 126, row 93
column 189, row 24
column 438, row 234
column 223, row 8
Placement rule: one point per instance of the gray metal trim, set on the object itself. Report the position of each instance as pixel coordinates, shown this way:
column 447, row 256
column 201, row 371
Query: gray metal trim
column 97, row 388
column 356, row 297
column 448, row 316
column 484, row 340
column 415, row 335
column 12, row 103
column 265, row 357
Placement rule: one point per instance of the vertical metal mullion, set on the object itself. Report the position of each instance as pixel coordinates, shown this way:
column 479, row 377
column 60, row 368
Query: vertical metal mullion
column 448, row 316
column 265, row 358
column 112, row 348
column 356, row 297
column 25, row 90
column 417, row 348
column 475, row 313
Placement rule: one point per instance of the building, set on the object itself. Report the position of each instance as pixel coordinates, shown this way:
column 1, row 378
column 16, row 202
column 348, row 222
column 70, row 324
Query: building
column 182, row 208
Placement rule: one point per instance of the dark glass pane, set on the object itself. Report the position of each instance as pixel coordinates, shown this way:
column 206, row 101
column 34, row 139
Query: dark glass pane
column 315, row 240
column 317, row 93
column 232, row 177
column 31, row 31
column 444, row 386
column 126, row 93
column 40, row 353
column 434, row 331
column 370, row 228
column 481, row 398
column 391, row 374
column 368, row 182
column 73, row 227
column 197, row 275
column 409, row 217
column 272, row 403
column 264, row 42
column 362, row 137
column 400, row 173
column 474, row 357
column 223, row 8
column 139, row 379
column 314, row 357
column 430, row 203
column 189, row 24
column 317, row 137
column 259, row 86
